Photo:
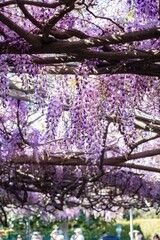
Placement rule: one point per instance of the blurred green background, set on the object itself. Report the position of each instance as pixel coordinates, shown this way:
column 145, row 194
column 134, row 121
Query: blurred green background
column 146, row 222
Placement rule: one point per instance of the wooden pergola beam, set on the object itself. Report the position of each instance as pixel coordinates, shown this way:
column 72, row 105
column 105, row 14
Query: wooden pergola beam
column 73, row 161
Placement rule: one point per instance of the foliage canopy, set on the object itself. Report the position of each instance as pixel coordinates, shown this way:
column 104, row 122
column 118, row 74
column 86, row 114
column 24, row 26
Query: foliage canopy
column 80, row 103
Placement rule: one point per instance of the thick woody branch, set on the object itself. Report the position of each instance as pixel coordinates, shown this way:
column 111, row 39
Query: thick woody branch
column 134, row 156
column 147, row 118
column 72, row 47
column 20, row 4
column 52, row 160
column 52, row 21
column 147, row 127
column 144, row 140
column 140, row 167
column 53, row 60
column 69, row 33
column 30, row 38
column 32, row 3
column 115, row 69
column 66, row 34
column 140, row 123
column 88, row 54
column 108, row 56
